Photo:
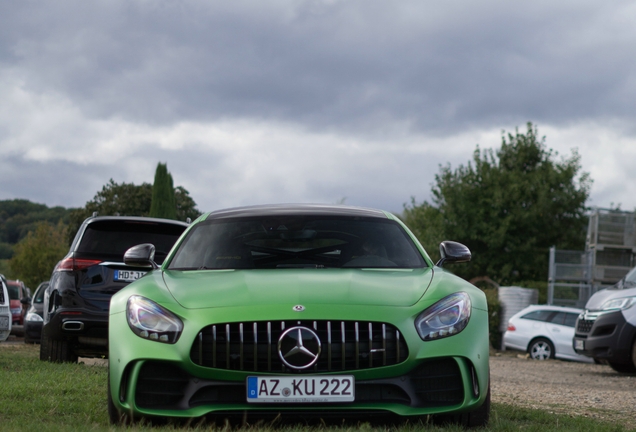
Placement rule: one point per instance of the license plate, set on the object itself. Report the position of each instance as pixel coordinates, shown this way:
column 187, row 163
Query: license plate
column 579, row 344
column 128, row 275
column 4, row 323
column 301, row 389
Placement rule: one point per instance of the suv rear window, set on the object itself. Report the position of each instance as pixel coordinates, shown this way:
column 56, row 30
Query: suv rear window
column 111, row 238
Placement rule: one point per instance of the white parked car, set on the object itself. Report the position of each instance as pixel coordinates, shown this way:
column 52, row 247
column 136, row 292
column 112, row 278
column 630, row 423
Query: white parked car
column 5, row 311
column 545, row 332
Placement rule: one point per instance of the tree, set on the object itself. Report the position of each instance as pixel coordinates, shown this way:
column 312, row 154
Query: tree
column 509, row 207
column 128, row 199
column 36, row 255
column 163, row 203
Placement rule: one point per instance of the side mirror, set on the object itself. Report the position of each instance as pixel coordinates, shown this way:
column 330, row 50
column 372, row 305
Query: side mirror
column 142, row 255
column 452, row 252
column 25, row 301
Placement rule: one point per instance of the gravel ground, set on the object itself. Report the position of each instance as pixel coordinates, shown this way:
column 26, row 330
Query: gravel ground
column 580, row 389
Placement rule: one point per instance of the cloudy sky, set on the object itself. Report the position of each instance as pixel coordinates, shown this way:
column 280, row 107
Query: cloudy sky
column 324, row 101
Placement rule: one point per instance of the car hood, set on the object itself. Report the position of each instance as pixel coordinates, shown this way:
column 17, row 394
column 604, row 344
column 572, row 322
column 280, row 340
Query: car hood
column 596, row 301
column 218, row 288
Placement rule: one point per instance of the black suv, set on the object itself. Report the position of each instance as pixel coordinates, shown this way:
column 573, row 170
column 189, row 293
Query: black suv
column 78, row 296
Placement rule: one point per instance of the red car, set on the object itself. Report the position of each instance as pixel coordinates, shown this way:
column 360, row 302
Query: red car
column 17, row 292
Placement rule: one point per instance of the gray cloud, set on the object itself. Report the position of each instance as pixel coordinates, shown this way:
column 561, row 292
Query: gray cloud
column 314, row 100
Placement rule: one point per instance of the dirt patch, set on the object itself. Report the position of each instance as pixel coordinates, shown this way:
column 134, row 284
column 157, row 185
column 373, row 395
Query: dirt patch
column 582, row 389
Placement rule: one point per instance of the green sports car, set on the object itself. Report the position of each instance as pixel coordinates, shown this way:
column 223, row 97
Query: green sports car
column 300, row 311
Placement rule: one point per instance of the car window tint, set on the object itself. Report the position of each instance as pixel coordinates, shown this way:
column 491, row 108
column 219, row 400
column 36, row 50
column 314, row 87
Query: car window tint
column 538, row 315
column 14, row 292
column 297, row 241
column 39, row 295
column 570, row 319
column 558, row 318
column 114, row 237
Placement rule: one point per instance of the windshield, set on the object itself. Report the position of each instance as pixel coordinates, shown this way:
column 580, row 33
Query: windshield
column 629, row 280
column 297, row 242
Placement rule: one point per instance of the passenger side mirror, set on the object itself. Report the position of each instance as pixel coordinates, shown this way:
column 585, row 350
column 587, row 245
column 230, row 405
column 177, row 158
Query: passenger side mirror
column 453, row 252
column 142, row 255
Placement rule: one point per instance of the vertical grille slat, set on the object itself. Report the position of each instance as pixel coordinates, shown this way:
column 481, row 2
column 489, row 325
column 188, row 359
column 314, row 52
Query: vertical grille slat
column 241, row 347
column 269, row 346
column 214, row 346
column 346, row 345
column 227, row 345
column 255, row 331
column 329, row 356
column 357, row 357
column 383, row 344
column 343, row 347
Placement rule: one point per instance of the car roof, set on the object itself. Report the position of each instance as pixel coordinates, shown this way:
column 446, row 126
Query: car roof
column 93, row 219
column 548, row 307
column 296, row 210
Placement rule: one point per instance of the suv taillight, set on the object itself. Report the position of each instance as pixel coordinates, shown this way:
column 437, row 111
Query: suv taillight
column 74, row 264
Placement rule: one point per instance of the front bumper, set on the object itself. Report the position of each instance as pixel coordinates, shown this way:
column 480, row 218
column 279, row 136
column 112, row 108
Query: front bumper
column 148, row 378
column 604, row 336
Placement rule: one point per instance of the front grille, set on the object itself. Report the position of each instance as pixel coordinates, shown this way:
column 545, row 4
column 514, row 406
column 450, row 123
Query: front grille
column 584, row 326
column 253, row 346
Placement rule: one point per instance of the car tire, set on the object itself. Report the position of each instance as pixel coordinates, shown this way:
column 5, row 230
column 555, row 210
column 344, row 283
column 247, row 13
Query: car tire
column 622, row 367
column 114, row 416
column 474, row 419
column 541, row 349
column 56, row 350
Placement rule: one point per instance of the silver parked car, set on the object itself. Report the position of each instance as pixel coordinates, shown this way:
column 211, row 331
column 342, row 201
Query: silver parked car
column 545, row 332
column 5, row 310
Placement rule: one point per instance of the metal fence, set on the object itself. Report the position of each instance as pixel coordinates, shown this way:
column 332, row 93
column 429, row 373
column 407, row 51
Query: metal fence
column 610, row 252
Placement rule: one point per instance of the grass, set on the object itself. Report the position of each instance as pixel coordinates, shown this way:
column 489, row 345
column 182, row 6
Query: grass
column 41, row 396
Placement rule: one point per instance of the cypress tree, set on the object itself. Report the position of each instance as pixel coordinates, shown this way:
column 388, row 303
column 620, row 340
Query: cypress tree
column 163, row 203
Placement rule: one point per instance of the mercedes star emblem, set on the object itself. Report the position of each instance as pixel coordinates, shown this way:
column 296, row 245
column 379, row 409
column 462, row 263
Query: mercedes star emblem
column 299, row 347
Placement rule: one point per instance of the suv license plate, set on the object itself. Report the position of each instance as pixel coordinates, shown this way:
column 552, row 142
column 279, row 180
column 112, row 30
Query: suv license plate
column 301, row 389
column 579, row 344
column 128, row 275
column 4, row 323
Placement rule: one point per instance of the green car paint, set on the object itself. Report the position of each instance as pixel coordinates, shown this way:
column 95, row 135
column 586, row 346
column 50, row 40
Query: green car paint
column 201, row 298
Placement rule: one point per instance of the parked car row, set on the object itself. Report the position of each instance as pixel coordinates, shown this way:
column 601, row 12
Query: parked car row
column 604, row 332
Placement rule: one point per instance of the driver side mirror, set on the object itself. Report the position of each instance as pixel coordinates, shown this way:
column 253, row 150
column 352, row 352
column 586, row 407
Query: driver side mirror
column 453, row 252
column 142, row 255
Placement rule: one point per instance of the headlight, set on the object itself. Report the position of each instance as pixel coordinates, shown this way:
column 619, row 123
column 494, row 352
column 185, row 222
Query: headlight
column 445, row 318
column 32, row 316
column 148, row 320
column 619, row 303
